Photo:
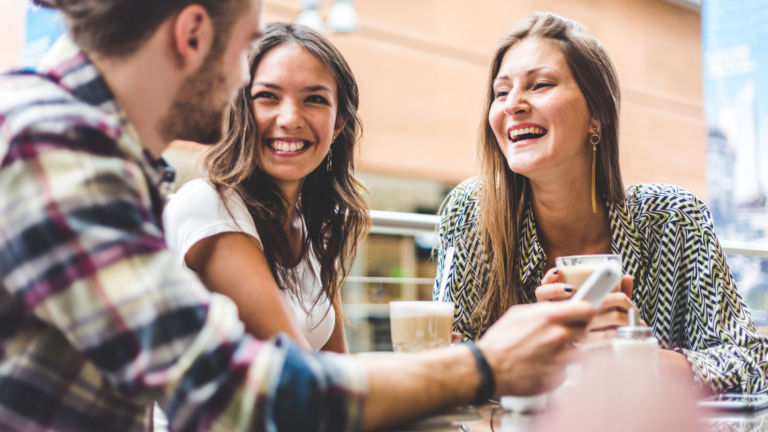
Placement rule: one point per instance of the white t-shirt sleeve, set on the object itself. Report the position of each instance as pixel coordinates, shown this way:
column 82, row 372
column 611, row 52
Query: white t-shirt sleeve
column 197, row 212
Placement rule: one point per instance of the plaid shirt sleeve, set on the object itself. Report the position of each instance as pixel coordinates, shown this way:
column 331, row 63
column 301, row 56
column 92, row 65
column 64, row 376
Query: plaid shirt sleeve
column 82, row 253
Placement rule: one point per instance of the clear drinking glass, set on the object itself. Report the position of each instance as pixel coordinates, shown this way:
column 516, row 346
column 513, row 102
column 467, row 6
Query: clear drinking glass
column 420, row 325
column 576, row 269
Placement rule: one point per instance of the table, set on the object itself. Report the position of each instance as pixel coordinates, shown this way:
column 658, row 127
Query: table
column 479, row 420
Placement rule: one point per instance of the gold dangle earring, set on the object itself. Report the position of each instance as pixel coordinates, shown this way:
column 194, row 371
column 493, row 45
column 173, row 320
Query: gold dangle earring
column 329, row 165
column 595, row 140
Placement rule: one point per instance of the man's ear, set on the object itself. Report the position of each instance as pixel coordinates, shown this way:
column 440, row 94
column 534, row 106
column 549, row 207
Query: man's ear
column 193, row 35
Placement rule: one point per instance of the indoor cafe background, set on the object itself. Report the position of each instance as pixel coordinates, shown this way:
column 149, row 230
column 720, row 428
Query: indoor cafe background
column 422, row 70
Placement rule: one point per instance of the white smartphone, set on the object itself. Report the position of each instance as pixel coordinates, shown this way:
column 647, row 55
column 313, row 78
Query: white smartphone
column 601, row 282
column 736, row 402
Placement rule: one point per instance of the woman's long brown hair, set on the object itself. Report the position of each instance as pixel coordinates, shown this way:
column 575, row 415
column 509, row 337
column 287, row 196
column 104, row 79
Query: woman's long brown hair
column 506, row 195
column 332, row 203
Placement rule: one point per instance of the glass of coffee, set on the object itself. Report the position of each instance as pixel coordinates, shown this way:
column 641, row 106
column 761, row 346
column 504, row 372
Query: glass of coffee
column 577, row 268
column 420, row 325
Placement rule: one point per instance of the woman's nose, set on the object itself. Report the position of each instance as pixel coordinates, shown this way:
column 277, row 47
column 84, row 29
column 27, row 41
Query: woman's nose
column 516, row 103
column 290, row 116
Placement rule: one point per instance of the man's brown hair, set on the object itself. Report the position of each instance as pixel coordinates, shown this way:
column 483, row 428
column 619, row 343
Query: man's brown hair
column 117, row 28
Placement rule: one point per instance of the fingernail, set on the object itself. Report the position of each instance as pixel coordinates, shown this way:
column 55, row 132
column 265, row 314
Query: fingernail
column 555, row 272
column 568, row 288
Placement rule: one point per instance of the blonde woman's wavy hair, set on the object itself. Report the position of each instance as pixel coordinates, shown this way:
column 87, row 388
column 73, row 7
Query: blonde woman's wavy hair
column 504, row 206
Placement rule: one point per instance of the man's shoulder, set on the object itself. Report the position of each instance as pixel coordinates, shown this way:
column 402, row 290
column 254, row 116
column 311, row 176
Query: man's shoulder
column 25, row 93
column 35, row 108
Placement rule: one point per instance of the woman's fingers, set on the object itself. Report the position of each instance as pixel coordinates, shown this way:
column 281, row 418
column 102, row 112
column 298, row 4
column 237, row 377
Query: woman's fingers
column 455, row 337
column 552, row 276
column 554, row 292
column 627, row 285
column 610, row 319
column 599, row 337
column 613, row 312
column 616, row 300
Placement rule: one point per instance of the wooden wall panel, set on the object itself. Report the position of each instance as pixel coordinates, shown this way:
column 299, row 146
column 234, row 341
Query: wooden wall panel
column 660, row 147
column 420, row 111
column 422, row 64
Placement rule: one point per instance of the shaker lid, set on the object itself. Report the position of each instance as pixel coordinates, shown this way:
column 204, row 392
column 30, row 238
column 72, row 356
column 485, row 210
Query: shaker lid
column 634, row 333
column 634, row 330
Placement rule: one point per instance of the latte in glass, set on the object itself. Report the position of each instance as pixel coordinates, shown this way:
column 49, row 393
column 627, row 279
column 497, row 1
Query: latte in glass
column 577, row 268
column 420, row 325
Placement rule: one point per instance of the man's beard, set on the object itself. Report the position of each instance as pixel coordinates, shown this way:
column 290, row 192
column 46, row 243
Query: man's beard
column 197, row 112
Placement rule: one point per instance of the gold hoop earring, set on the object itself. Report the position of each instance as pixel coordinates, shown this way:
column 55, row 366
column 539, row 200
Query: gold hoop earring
column 333, row 140
column 595, row 140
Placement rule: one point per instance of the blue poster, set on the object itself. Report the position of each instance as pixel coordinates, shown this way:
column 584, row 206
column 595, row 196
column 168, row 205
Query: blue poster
column 735, row 56
column 43, row 28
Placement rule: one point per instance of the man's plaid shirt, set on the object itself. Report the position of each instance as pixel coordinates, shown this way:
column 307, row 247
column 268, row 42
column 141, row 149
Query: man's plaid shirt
column 96, row 320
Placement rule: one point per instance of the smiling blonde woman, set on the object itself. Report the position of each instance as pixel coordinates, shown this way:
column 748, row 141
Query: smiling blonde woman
column 551, row 186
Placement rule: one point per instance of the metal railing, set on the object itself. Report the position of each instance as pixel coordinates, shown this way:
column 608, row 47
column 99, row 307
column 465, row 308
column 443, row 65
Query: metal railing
column 366, row 335
column 691, row 5
column 409, row 224
column 385, row 222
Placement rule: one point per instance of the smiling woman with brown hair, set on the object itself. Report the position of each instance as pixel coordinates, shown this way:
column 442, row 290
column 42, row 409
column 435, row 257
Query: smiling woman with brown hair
column 277, row 217
column 551, row 186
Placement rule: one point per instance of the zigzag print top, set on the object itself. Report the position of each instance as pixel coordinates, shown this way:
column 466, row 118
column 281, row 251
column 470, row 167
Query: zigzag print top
column 683, row 286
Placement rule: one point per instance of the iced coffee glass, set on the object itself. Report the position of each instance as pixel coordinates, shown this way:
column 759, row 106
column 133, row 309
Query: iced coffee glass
column 576, row 269
column 420, row 325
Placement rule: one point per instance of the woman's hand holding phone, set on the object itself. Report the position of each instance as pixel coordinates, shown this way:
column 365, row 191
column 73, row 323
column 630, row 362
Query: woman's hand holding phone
column 612, row 314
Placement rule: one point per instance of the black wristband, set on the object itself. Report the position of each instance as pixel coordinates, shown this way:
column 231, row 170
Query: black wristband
column 487, row 381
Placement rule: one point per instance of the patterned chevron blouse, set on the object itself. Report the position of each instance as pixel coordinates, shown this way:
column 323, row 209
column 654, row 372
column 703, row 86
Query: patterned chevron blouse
column 683, row 287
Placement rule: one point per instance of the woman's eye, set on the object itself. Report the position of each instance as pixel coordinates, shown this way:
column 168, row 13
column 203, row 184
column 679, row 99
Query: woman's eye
column 539, row 85
column 264, row 94
column 501, row 93
column 317, row 99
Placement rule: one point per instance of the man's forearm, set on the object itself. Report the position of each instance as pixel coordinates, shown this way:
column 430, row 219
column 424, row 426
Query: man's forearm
column 402, row 387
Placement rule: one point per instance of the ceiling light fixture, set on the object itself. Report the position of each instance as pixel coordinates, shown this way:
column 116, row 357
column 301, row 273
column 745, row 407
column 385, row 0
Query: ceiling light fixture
column 343, row 18
column 310, row 16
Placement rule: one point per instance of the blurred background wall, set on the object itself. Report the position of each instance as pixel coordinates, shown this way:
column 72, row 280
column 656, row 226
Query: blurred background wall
column 422, row 69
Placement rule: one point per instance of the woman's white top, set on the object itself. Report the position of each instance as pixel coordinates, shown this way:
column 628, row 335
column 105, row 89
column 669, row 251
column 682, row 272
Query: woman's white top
column 197, row 212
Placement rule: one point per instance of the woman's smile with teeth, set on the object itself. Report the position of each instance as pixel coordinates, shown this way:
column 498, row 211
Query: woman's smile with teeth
column 285, row 146
column 526, row 133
